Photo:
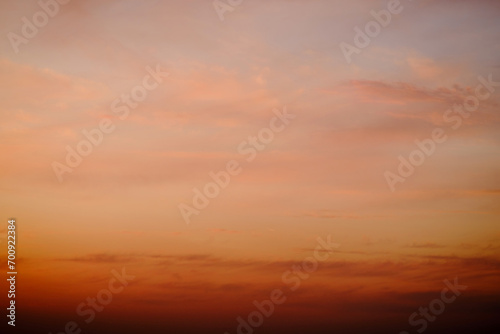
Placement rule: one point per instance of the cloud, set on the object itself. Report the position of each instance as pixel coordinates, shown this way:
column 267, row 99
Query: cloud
column 425, row 67
column 425, row 245
column 403, row 93
column 100, row 258
column 327, row 214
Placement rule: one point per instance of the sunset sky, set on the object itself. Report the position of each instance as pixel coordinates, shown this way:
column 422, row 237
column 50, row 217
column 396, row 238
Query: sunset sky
column 323, row 175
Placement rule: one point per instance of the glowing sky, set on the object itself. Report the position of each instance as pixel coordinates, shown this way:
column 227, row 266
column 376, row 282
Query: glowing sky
column 322, row 175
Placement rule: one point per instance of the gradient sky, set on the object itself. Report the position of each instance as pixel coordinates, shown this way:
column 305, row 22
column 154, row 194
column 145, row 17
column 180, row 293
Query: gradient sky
column 323, row 175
